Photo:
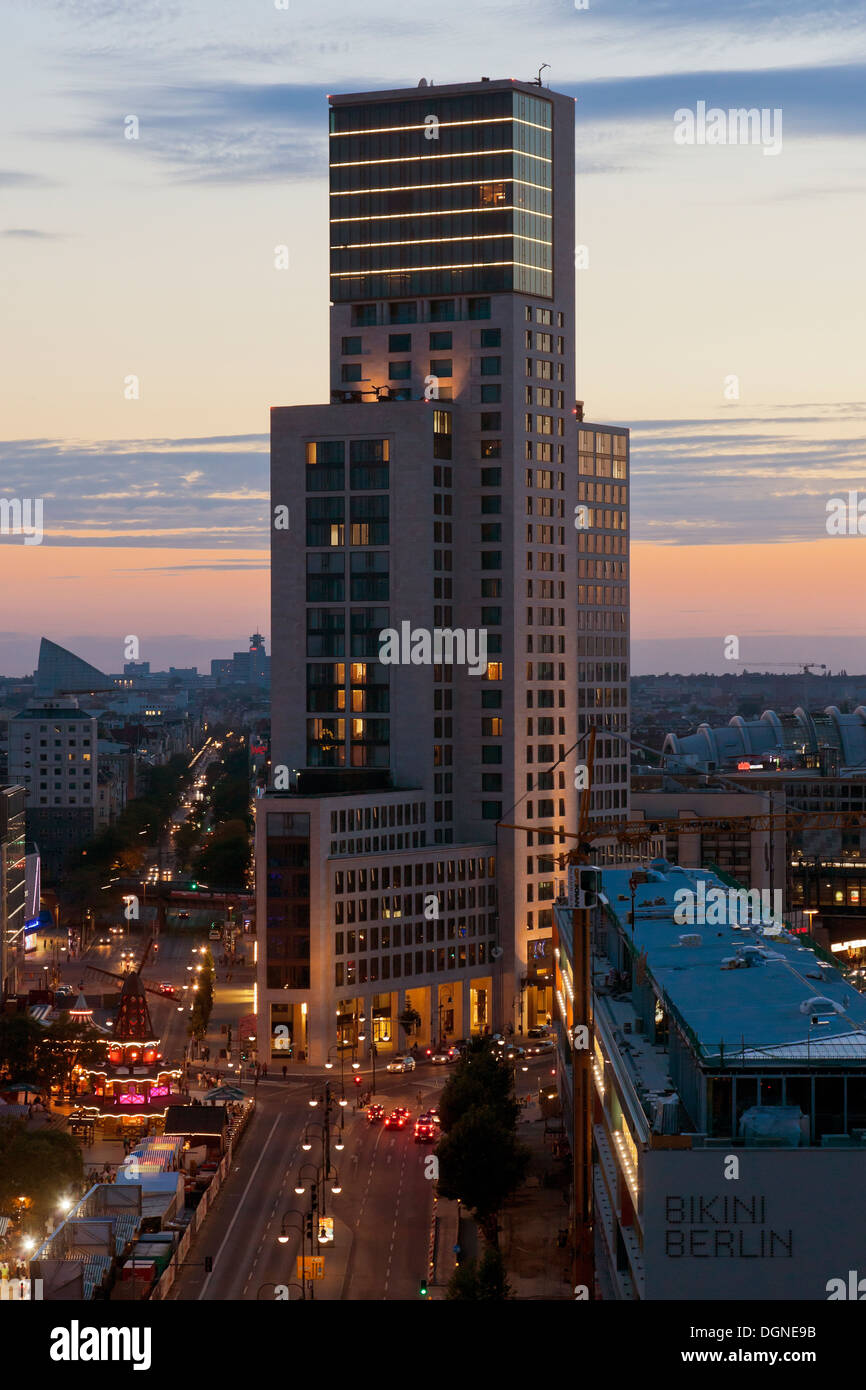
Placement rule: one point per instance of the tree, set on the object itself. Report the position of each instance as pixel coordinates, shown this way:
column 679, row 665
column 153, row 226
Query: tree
column 41, row 1166
column 479, row 1079
column 225, row 859
column 481, row 1281
column 481, row 1164
column 19, row 1037
column 62, row 1046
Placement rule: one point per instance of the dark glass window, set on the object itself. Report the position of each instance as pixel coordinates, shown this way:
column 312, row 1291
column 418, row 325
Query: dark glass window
column 441, row 366
column 491, row 366
column 399, row 342
column 491, row 337
column 363, row 315
column 403, row 312
column 352, row 347
column 479, row 308
column 490, row 394
column 442, row 311
column 491, row 477
column 491, row 420
column 399, row 371
column 440, row 342
column 350, row 371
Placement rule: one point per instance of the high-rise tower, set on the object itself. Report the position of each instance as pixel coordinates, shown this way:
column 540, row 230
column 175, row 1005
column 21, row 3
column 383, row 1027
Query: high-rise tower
column 449, row 487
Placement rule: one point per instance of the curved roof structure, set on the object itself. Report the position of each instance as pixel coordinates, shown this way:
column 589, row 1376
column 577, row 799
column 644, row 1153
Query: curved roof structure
column 796, row 733
column 62, row 672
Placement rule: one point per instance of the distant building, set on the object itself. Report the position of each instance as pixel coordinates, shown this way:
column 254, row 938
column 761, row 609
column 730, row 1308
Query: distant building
column 61, row 672
column 53, row 754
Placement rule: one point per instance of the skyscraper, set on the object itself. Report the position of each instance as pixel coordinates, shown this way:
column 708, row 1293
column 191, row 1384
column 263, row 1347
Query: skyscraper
column 451, row 487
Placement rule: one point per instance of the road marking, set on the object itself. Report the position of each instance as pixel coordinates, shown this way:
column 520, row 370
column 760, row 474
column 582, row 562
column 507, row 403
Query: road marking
column 240, row 1204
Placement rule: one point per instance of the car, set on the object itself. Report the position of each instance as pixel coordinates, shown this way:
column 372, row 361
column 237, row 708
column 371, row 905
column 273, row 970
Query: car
column 103, row 941
column 542, row 1031
column 441, row 1058
column 183, row 916
column 214, row 935
column 375, row 1114
column 166, row 988
column 426, row 1132
column 401, row 1064
column 512, row 1052
column 397, row 1119
column 542, row 1045
column 115, row 931
column 430, row 1117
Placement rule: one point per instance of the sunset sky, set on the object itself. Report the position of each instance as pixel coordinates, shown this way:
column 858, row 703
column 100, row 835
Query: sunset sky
column 155, row 258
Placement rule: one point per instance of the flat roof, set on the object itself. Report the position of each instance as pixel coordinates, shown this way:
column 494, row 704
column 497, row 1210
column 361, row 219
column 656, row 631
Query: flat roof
column 752, row 1011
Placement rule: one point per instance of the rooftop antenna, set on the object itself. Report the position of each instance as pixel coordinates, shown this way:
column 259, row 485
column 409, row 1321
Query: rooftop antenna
column 540, row 71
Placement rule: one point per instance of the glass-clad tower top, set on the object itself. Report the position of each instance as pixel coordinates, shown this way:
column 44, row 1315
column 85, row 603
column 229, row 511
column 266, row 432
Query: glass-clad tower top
column 441, row 194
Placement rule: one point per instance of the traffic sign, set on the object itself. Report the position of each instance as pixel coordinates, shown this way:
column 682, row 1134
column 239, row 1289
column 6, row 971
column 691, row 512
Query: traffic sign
column 311, row 1266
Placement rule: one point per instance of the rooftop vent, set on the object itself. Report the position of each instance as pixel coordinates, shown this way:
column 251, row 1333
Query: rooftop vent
column 691, row 938
column 820, row 1005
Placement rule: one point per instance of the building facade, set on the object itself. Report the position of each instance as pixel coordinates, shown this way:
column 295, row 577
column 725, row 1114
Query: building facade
column 729, row 1077
column 53, row 754
column 13, row 887
column 450, row 542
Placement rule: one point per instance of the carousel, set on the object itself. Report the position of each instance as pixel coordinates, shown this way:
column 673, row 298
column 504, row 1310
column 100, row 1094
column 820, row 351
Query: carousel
column 131, row 1087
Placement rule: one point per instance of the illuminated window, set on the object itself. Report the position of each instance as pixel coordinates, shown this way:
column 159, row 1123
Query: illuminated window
column 492, row 193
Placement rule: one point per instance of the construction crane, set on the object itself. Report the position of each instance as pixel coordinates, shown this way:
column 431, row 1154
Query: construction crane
column 805, row 666
column 637, row 832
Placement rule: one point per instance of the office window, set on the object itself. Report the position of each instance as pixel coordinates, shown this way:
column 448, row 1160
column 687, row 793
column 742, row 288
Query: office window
column 403, row 312
column 491, row 477
column 399, row 342
column 491, row 420
column 491, row 810
column 399, row 371
column 491, row 366
column 363, row 315
column 443, row 311
column 490, row 394
column 440, row 366
column 491, row 337
column 440, row 342
column 480, row 308
column 350, row 371
column 491, row 448
column 352, row 347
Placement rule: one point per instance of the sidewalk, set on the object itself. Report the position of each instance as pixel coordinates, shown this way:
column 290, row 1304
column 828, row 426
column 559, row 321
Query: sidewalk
column 537, row 1267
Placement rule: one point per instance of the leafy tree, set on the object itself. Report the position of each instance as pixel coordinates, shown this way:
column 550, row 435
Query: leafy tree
column 41, row 1166
column 225, row 859
column 62, row 1046
column 481, row 1164
column 482, row 1281
column 19, row 1037
column 480, row 1079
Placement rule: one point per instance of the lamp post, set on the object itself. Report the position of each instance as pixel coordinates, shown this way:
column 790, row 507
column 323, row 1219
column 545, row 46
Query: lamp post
column 283, row 1239
column 329, row 1065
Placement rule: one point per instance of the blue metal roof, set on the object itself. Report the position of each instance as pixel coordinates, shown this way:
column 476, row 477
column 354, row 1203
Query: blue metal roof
column 753, row 1007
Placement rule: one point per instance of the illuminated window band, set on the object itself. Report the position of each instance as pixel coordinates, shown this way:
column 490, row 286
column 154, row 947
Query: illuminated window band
column 438, row 240
column 409, row 269
column 445, row 212
column 424, row 187
column 443, row 125
column 454, row 154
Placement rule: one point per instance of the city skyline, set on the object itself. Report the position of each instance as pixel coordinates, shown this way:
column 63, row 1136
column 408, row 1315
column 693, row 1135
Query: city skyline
column 127, row 484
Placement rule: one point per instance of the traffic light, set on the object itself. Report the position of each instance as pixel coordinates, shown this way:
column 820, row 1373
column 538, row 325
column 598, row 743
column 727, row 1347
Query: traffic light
column 422, row 1290
column 314, row 1197
column 308, row 1226
column 357, row 1080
